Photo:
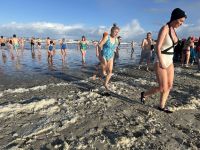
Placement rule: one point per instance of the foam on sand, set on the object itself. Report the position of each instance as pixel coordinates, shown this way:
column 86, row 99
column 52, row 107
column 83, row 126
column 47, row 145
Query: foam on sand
column 36, row 88
column 197, row 74
column 192, row 105
column 48, row 109
column 13, row 109
column 144, row 82
column 125, row 142
column 22, row 90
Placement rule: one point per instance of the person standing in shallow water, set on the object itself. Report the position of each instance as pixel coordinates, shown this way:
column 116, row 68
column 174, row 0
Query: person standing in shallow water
column 32, row 44
column 63, row 49
column 83, row 44
column 3, row 44
column 47, row 41
column 50, row 52
column 164, row 67
column 132, row 48
column 22, row 43
column 39, row 46
column 10, row 47
column 108, row 45
column 146, row 50
column 15, row 43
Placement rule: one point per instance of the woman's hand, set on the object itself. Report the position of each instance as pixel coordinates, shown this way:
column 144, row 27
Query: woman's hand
column 162, row 65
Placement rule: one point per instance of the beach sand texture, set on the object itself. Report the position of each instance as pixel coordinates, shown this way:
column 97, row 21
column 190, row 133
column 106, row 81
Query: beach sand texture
column 78, row 114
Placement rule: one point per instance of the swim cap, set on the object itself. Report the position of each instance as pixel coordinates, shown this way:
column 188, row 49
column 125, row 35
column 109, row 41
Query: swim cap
column 177, row 13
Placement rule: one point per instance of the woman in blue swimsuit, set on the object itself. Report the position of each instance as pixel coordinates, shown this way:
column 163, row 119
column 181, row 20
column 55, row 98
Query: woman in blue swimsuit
column 50, row 52
column 63, row 48
column 108, row 46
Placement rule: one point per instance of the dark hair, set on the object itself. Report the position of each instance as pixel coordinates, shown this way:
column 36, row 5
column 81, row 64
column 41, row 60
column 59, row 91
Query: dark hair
column 114, row 27
column 1, row 36
column 149, row 33
column 51, row 42
column 189, row 38
column 177, row 13
column 14, row 35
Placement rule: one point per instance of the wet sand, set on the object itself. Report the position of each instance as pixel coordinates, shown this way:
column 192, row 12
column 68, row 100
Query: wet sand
column 73, row 111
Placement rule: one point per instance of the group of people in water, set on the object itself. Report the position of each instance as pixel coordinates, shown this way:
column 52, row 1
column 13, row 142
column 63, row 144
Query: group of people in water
column 15, row 44
column 164, row 50
column 12, row 43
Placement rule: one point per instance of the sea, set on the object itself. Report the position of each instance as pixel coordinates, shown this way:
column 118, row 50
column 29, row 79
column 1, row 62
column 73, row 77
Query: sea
column 30, row 68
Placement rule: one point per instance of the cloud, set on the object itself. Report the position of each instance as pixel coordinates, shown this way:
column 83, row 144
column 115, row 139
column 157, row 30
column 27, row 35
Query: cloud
column 57, row 30
column 40, row 29
column 132, row 30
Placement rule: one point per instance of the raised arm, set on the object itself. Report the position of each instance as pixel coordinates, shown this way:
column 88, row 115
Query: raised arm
column 103, row 41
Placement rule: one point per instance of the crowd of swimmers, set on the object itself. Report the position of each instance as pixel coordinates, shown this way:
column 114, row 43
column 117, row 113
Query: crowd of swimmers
column 15, row 45
column 107, row 49
column 162, row 52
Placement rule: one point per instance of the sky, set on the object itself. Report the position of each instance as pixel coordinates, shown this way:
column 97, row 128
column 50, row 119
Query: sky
column 73, row 18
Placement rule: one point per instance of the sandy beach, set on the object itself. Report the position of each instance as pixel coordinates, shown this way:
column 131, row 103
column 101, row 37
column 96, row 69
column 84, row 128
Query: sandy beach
column 77, row 75
column 73, row 111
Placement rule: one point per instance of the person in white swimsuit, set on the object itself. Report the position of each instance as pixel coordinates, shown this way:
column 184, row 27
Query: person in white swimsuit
column 164, row 67
column 167, row 51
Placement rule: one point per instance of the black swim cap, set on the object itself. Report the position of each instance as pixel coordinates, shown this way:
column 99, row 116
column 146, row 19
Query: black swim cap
column 177, row 13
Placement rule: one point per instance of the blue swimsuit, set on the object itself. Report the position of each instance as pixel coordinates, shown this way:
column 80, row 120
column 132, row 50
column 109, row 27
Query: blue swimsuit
column 50, row 47
column 63, row 46
column 108, row 49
